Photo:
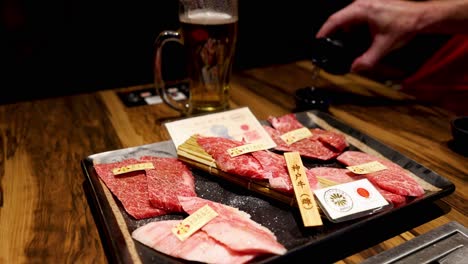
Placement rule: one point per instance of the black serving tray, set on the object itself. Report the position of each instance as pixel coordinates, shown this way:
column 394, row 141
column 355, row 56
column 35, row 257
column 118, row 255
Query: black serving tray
column 325, row 244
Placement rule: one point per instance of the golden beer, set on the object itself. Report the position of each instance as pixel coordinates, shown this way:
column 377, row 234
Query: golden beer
column 210, row 40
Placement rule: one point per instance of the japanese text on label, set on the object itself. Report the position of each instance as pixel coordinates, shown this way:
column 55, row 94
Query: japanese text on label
column 247, row 148
column 305, row 198
column 368, row 167
column 133, row 167
column 296, row 135
column 194, row 222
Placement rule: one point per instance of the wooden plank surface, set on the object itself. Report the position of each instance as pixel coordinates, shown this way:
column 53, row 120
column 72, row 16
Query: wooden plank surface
column 45, row 217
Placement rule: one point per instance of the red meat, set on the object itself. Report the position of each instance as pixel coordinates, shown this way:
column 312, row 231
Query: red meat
column 130, row 188
column 322, row 145
column 243, row 165
column 308, row 147
column 198, row 247
column 235, row 229
column 285, row 123
column 341, row 175
column 394, row 179
column 169, row 178
column 275, row 166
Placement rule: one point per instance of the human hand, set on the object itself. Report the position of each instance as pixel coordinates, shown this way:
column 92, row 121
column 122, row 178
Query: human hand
column 391, row 23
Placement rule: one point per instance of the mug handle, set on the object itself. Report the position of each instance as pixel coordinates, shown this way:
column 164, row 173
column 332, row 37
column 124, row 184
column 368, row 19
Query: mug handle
column 182, row 105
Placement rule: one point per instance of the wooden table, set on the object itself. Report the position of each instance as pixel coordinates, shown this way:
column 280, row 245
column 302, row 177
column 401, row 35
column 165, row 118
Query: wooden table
column 45, row 216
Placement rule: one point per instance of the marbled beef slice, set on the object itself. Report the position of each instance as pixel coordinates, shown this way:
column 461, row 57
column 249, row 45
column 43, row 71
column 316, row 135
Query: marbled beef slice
column 198, row 247
column 235, row 229
column 394, row 179
column 169, row 178
column 130, row 189
column 243, row 165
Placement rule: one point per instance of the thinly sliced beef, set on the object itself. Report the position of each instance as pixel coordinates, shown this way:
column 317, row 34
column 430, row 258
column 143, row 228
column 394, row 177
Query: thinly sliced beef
column 198, row 247
column 394, row 179
column 278, row 176
column 322, row 145
column 396, row 199
column 333, row 139
column 263, row 164
column 243, row 165
column 336, row 175
column 341, row 175
column 169, row 178
column 235, row 229
column 285, row 123
column 308, row 147
column 130, row 188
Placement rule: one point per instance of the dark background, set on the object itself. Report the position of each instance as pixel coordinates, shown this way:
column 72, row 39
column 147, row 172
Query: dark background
column 62, row 47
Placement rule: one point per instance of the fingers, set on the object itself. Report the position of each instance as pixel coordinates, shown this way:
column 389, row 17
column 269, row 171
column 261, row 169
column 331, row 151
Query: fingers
column 380, row 47
column 342, row 19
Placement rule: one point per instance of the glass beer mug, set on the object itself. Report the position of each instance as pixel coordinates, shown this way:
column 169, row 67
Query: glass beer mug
column 208, row 32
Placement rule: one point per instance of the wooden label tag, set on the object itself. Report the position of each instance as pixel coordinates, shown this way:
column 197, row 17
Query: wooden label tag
column 247, row 148
column 133, row 167
column 304, row 196
column 296, row 135
column 194, row 222
column 368, row 167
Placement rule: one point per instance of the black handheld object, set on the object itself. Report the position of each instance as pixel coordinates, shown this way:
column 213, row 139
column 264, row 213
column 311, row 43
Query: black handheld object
column 308, row 98
column 336, row 53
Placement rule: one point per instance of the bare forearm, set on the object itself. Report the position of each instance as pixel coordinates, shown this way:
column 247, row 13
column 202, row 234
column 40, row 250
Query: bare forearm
column 393, row 23
column 444, row 16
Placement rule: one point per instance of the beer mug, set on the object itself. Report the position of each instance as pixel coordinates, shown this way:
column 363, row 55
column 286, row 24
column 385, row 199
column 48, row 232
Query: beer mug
column 208, row 33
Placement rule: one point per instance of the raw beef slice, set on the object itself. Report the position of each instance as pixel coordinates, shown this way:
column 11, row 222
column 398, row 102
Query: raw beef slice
column 130, row 188
column 341, row 175
column 308, row 147
column 169, row 178
column 198, row 247
column 235, row 229
column 285, row 123
column 336, row 175
column 331, row 139
column 394, row 179
column 244, row 165
column 276, row 168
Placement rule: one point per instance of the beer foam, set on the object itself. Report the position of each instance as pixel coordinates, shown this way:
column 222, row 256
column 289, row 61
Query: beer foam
column 207, row 17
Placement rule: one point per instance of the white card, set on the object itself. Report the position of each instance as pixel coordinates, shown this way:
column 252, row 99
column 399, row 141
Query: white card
column 350, row 200
column 238, row 124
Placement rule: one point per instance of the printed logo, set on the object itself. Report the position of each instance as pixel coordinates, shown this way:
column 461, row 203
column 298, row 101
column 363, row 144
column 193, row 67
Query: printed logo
column 338, row 200
column 182, row 229
column 306, row 201
column 363, row 192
